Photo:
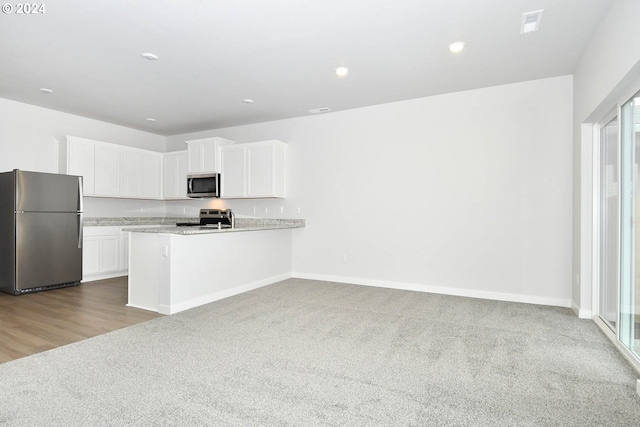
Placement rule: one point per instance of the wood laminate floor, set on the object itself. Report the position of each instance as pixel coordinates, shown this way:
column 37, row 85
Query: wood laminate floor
column 36, row 322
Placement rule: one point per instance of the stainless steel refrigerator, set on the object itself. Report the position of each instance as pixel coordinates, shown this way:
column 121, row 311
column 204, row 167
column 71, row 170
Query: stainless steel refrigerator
column 40, row 231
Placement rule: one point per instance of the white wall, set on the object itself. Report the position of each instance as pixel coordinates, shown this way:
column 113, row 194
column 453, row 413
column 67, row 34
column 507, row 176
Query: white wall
column 465, row 193
column 610, row 62
column 29, row 138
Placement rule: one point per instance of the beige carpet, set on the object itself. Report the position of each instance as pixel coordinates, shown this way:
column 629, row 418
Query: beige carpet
column 303, row 352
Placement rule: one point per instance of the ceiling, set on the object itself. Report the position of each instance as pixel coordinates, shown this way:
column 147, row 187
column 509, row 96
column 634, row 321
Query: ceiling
column 282, row 54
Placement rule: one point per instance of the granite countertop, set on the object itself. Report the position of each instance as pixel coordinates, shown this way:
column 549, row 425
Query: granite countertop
column 134, row 221
column 168, row 225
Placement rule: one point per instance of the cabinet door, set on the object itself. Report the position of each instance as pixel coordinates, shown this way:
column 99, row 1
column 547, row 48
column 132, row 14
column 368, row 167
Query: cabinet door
column 175, row 175
column 124, row 251
column 183, row 170
column 265, row 169
column 90, row 255
column 233, row 171
column 169, row 178
column 109, row 250
column 130, row 174
column 151, row 186
column 204, row 154
column 107, row 170
column 260, row 171
column 80, row 161
column 194, row 148
column 209, row 155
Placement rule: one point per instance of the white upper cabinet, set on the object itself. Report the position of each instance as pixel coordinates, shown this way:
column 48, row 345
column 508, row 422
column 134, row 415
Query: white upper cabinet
column 140, row 174
column 151, row 175
column 265, row 169
column 107, row 172
column 77, row 158
column 131, row 176
column 233, row 171
column 111, row 170
column 175, row 174
column 204, row 154
column 253, row 170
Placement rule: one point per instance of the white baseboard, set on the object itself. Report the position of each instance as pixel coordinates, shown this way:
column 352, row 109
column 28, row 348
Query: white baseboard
column 471, row 293
column 103, row 276
column 142, row 307
column 581, row 312
column 176, row 308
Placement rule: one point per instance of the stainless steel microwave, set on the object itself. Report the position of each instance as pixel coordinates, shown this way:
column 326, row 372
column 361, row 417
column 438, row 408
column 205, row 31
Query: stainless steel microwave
column 203, row 185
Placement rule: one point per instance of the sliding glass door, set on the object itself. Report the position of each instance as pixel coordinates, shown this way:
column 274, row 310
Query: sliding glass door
column 629, row 328
column 609, row 206
column 618, row 189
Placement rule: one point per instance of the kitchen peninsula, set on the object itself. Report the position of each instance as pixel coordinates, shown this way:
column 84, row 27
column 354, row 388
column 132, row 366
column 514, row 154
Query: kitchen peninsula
column 172, row 269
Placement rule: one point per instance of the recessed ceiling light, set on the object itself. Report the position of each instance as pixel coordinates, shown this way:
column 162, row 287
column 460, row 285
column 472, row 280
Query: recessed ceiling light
column 151, row 120
column 248, row 101
column 342, row 71
column 45, row 90
column 456, row 47
column 150, row 56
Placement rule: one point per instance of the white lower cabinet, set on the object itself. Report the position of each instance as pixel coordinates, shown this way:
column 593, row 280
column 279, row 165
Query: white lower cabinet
column 105, row 252
column 101, row 253
column 124, row 250
column 109, row 251
column 90, row 255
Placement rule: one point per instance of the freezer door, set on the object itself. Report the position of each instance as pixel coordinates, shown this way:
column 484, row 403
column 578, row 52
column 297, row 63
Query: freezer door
column 48, row 192
column 47, row 249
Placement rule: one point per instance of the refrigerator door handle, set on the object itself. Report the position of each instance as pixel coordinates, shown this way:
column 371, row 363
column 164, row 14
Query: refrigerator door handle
column 80, row 227
column 80, row 195
column 80, row 212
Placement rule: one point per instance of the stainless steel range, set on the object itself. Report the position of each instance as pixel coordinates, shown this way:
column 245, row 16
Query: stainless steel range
column 212, row 218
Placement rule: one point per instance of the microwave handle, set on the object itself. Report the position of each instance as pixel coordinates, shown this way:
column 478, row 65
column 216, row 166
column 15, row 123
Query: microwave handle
column 190, row 185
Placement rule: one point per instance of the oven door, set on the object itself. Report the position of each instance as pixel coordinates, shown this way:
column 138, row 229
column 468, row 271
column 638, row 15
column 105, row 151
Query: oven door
column 205, row 185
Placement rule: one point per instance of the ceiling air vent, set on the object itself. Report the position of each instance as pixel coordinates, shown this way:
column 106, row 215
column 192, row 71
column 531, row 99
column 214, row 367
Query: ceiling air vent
column 320, row 110
column 530, row 21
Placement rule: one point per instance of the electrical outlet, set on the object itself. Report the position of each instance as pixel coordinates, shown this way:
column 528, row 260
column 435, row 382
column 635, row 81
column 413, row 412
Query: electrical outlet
column 299, row 210
column 254, row 210
column 281, row 209
column 266, row 209
column 343, row 258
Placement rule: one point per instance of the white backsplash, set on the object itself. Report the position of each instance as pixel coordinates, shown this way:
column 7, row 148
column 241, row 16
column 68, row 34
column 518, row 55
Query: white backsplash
column 110, row 207
column 254, row 208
